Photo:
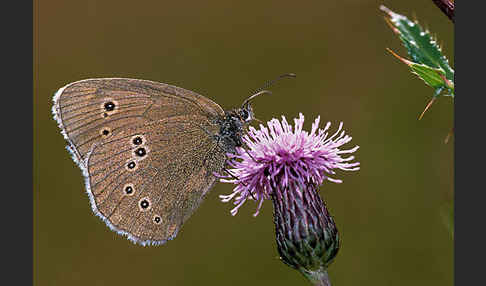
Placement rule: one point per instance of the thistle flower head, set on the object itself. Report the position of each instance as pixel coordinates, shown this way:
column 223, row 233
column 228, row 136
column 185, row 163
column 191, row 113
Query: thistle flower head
column 281, row 156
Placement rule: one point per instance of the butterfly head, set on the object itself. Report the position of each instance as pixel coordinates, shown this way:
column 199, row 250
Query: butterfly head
column 245, row 112
column 233, row 125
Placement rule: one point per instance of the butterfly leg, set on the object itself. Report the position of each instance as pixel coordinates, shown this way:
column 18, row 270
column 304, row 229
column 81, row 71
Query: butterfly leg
column 236, row 178
column 251, row 156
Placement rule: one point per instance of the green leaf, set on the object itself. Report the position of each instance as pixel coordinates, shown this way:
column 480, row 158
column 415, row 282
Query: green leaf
column 431, row 76
column 428, row 62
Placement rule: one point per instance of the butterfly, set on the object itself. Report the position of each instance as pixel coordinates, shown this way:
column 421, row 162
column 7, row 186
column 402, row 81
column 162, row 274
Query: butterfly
column 148, row 151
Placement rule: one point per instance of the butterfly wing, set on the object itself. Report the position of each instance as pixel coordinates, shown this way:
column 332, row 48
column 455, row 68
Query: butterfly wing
column 146, row 149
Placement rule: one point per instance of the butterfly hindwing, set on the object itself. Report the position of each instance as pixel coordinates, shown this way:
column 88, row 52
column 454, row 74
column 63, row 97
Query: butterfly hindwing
column 146, row 149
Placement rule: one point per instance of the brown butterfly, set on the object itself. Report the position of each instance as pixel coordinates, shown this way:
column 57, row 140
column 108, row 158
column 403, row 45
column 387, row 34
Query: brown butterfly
column 147, row 150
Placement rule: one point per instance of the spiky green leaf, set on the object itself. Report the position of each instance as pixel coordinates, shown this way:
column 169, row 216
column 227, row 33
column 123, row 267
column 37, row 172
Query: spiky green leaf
column 433, row 77
column 427, row 62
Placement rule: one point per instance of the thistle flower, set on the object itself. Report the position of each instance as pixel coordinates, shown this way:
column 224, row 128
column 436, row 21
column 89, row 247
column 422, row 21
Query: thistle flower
column 277, row 157
column 287, row 164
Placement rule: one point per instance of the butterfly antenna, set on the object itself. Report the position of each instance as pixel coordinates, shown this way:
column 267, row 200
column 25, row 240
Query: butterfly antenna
column 255, row 95
column 268, row 84
column 272, row 82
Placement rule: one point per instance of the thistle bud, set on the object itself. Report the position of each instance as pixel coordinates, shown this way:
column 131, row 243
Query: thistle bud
column 306, row 235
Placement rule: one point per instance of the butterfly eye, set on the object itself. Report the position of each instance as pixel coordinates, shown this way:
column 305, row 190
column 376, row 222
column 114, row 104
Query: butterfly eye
column 244, row 114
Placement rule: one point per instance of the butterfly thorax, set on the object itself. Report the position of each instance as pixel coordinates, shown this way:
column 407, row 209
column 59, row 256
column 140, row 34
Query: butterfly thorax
column 231, row 130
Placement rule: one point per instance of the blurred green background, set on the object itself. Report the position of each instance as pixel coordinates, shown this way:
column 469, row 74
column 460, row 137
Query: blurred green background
column 388, row 213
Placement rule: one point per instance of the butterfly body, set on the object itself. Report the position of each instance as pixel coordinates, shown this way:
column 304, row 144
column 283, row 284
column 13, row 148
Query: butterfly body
column 147, row 150
column 231, row 131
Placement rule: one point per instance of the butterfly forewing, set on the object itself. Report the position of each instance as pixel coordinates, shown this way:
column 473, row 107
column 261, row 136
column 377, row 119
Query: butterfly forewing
column 146, row 149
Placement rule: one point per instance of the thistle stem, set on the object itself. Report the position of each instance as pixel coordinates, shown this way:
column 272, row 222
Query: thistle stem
column 446, row 6
column 319, row 278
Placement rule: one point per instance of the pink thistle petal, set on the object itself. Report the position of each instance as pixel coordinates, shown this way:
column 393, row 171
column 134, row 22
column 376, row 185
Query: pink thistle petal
column 283, row 155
